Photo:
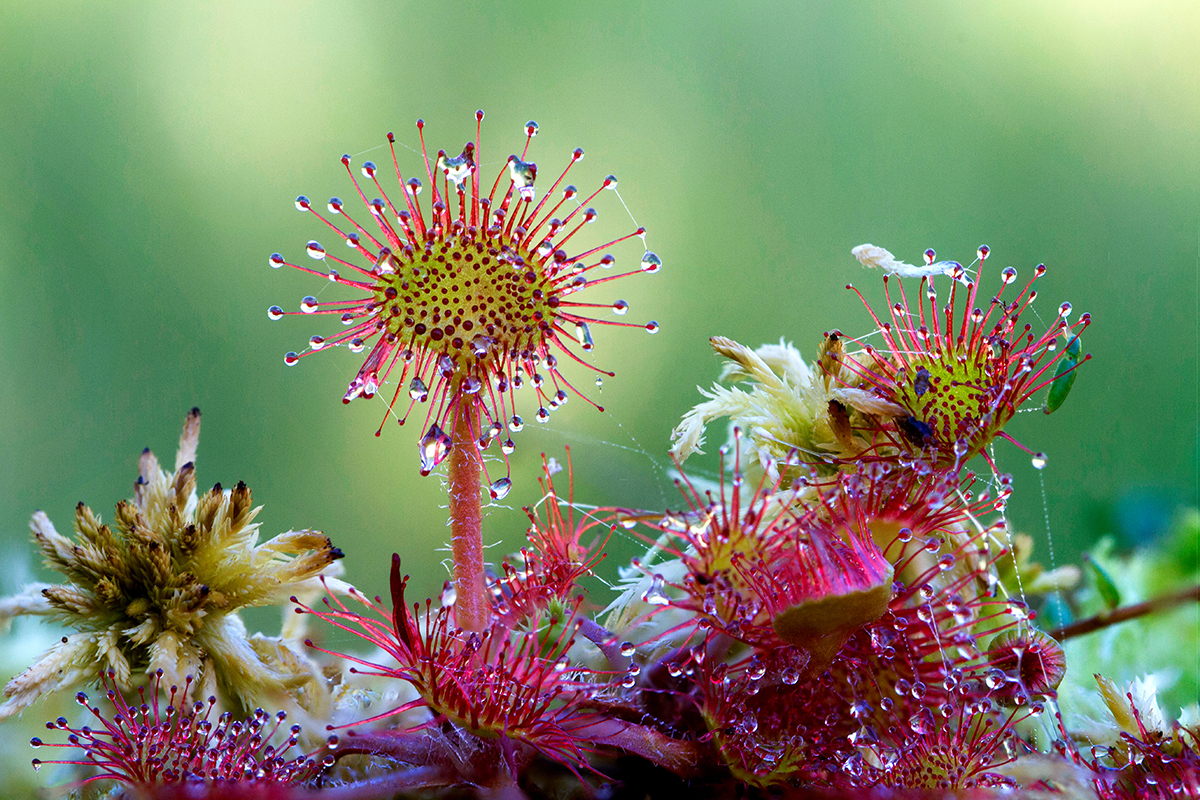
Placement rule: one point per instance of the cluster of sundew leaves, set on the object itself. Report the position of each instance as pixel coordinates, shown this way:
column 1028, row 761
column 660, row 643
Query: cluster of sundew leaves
column 471, row 298
column 513, row 679
column 925, row 693
column 943, row 643
column 909, row 732
column 523, row 679
column 903, row 438
column 153, row 743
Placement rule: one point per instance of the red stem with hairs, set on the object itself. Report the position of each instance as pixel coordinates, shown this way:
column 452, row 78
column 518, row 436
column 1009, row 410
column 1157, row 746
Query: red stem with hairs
column 466, row 520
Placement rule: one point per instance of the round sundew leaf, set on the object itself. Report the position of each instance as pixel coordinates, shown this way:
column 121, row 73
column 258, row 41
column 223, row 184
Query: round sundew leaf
column 465, row 296
column 822, row 624
column 1032, row 656
column 819, row 617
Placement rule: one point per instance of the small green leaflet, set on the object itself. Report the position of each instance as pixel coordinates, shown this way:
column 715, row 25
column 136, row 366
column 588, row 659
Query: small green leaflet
column 1064, row 377
column 1102, row 582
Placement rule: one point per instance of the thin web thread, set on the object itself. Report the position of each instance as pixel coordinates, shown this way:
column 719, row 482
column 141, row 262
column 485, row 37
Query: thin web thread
column 993, row 482
column 1056, row 597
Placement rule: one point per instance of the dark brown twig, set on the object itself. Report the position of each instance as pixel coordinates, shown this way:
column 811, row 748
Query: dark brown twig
column 1119, row 615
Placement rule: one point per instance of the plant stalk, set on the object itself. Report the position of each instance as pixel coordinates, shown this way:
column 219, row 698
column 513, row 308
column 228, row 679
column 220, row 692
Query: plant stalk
column 466, row 519
column 1118, row 615
column 388, row 784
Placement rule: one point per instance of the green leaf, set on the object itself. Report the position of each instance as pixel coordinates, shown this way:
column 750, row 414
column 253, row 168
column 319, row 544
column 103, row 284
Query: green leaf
column 1102, row 582
column 1064, row 377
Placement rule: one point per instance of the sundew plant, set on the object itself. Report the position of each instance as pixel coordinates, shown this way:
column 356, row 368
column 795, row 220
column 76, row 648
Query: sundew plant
column 841, row 607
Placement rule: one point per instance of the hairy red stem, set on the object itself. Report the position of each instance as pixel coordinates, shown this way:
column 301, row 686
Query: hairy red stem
column 388, row 784
column 466, row 519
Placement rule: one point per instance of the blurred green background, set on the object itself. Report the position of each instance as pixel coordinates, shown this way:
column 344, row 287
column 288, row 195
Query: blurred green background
column 150, row 153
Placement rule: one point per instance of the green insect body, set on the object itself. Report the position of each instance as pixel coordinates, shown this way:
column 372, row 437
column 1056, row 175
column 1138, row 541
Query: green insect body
column 1064, row 377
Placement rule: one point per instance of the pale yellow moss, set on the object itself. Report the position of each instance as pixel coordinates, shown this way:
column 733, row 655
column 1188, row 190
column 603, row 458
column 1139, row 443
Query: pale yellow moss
column 160, row 588
column 791, row 412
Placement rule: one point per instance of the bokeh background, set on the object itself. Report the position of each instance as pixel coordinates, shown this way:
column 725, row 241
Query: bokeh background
column 150, row 154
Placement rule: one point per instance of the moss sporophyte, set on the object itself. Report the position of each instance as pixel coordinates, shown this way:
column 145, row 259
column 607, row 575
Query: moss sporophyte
column 463, row 303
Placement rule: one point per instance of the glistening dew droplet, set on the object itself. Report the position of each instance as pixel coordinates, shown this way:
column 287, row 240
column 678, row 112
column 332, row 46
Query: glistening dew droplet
column 499, row 489
column 651, row 262
column 655, row 595
column 434, row 447
column 584, row 334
